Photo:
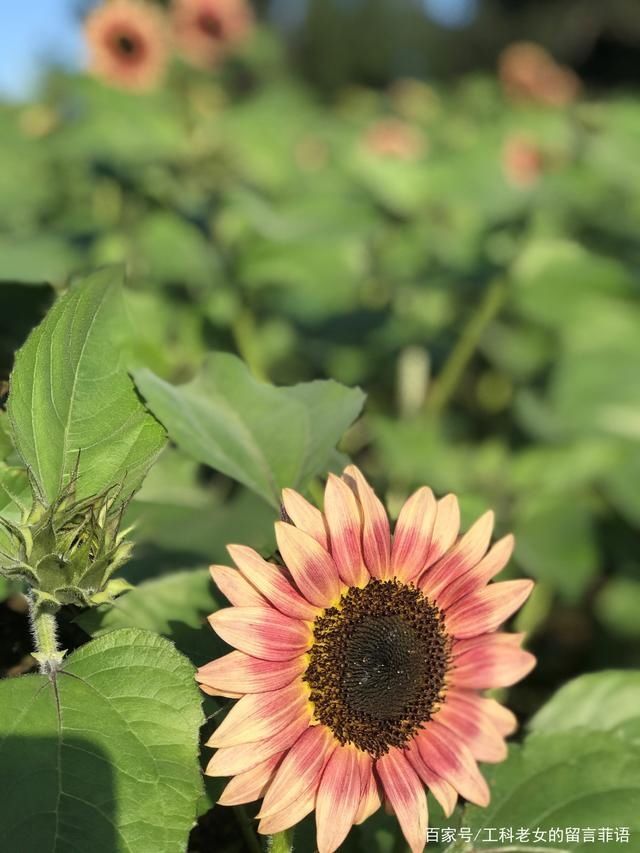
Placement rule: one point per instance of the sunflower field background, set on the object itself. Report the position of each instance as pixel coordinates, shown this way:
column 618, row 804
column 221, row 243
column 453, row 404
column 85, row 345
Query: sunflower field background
column 457, row 261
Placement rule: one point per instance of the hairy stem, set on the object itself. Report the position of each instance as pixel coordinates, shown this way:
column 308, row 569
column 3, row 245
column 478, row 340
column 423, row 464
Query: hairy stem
column 45, row 635
column 445, row 385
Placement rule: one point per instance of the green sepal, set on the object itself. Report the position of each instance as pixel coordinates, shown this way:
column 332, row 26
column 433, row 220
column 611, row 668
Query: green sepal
column 50, row 661
column 44, row 602
column 69, row 551
column 112, row 590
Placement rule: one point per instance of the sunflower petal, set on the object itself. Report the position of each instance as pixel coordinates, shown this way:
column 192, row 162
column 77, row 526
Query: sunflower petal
column 496, row 661
column 465, row 554
column 483, row 611
column 290, row 816
column 370, row 800
column 453, row 761
column 490, row 565
column 376, row 535
column 249, row 786
column 305, row 516
column 412, row 535
column 235, row 588
column 475, row 730
column 338, row 799
column 444, row 793
column 238, row 673
column 405, row 792
column 345, row 531
column 300, row 770
column 269, row 580
column 502, row 718
column 260, row 715
column 445, row 528
column 262, row 632
column 231, row 760
column 312, row 568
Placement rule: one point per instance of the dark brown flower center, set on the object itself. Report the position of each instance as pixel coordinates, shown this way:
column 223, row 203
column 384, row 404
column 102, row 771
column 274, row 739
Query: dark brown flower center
column 211, row 25
column 129, row 46
column 377, row 665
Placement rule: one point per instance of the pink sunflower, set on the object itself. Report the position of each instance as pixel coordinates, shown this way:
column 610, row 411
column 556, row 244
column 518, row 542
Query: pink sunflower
column 528, row 72
column 358, row 664
column 205, row 30
column 391, row 137
column 128, row 44
column 522, row 161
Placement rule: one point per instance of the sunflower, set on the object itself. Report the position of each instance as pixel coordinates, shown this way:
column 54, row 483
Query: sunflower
column 393, row 138
column 522, row 161
column 128, row 44
column 358, row 663
column 528, row 72
column 206, row 30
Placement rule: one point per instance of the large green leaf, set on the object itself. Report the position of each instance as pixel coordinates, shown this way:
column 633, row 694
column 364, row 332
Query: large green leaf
column 599, row 700
column 179, row 522
column 552, row 278
column 579, row 768
column 104, row 753
column 262, row 436
column 72, row 404
column 581, row 779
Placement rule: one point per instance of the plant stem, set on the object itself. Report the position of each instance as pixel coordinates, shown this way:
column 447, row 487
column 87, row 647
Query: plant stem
column 281, row 842
column 44, row 627
column 445, row 385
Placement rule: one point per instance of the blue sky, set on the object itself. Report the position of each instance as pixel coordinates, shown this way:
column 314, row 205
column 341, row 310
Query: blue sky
column 32, row 33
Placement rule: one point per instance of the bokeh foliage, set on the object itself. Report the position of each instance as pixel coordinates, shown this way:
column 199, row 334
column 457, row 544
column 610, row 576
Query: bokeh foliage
column 493, row 323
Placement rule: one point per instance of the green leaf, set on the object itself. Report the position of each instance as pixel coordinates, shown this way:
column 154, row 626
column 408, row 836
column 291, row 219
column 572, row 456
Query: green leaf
column 262, row 436
column 72, row 404
column 39, row 257
column 15, row 501
column 620, row 482
column 553, row 278
column 175, row 605
column 174, row 251
column 575, row 779
column 599, row 700
column 555, row 542
column 6, row 444
column 174, row 534
column 179, row 522
column 15, row 491
column 106, row 750
column 618, row 605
